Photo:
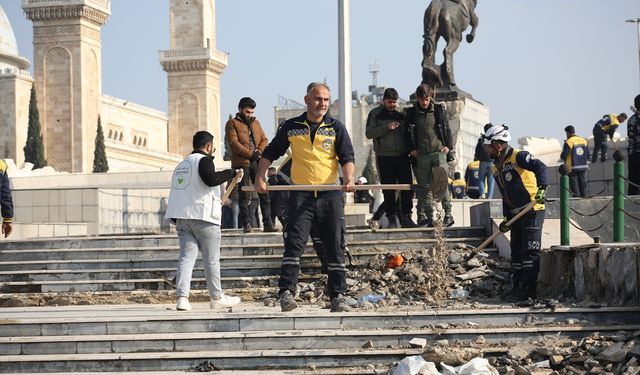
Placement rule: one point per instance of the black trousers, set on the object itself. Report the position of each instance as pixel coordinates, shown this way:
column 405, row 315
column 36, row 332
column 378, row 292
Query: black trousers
column 634, row 174
column 325, row 212
column 245, row 198
column 526, row 237
column 578, row 183
column 395, row 170
column 599, row 143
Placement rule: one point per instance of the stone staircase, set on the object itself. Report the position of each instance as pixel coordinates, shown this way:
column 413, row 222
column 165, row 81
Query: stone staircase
column 250, row 338
column 127, row 263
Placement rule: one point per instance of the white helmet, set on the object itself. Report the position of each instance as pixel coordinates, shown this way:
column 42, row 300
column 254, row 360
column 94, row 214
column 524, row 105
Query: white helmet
column 497, row 133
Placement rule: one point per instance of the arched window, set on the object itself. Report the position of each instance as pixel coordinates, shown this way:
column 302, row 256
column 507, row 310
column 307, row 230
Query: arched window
column 135, row 139
column 144, row 143
column 120, row 137
column 110, row 133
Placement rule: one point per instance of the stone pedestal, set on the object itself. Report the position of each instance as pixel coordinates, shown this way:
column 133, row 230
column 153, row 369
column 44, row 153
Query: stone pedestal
column 467, row 118
column 605, row 273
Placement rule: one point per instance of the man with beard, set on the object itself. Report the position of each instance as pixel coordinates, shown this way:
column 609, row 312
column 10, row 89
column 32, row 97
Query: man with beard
column 429, row 140
column 195, row 208
column 385, row 125
column 319, row 144
column 247, row 141
column 522, row 179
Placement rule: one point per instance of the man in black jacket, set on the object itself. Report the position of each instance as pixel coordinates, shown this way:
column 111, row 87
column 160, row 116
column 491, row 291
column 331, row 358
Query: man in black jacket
column 429, row 139
column 485, row 176
column 385, row 125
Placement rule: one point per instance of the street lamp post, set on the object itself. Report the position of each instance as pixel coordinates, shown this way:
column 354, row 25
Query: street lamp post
column 637, row 22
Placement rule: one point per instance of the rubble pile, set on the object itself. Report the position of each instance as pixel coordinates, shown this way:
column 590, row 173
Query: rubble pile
column 435, row 275
column 616, row 354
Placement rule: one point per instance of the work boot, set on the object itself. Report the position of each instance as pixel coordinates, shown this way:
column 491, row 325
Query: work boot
column 448, row 221
column 374, row 224
column 247, row 228
column 425, row 223
column 516, row 294
column 269, row 228
column 393, row 222
column 406, row 222
column 529, row 288
column 339, row 304
column 287, row 302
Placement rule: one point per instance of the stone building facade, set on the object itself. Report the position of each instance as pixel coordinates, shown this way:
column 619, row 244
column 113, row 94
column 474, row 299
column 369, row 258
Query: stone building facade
column 15, row 90
column 68, row 81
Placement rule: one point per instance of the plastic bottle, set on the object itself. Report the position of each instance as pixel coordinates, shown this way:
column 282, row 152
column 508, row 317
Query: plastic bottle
column 372, row 298
column 459, row 293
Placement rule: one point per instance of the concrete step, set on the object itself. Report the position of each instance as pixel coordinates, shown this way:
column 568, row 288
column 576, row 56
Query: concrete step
column 231, row 237
column 130, row 284
column 315, row 371
column 170, row 252
column 153, row 338
column 253, row 317
column 237, row 360
column 287, row 340
column 16, row 270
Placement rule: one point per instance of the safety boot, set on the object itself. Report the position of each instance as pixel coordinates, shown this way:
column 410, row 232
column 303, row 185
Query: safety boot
column 339, row 304
column 406, row 222
column 287, row 302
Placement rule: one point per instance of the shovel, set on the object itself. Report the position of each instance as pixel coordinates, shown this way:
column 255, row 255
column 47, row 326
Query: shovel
column 232, row 185
column 526, row 209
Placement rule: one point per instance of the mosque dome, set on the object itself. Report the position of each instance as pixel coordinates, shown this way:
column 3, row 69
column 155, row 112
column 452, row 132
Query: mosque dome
column 9, row 57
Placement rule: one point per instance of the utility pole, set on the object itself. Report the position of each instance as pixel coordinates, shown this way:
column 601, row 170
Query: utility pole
column 637, row 22
column 344, row 62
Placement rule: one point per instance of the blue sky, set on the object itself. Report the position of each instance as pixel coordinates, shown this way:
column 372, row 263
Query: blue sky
column 539, row 64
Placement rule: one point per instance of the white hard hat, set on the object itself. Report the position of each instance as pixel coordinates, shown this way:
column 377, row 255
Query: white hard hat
column 497, row 133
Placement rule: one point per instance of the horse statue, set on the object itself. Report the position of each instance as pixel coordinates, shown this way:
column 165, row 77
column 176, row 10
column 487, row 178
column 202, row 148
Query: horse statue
column 447, row 19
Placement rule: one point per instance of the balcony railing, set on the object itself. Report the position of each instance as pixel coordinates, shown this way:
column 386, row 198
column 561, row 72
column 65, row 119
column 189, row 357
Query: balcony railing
column 103, row 5
column 193, row 54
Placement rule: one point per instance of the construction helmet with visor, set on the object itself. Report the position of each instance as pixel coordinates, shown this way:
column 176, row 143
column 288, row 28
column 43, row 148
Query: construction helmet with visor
column 497, row 133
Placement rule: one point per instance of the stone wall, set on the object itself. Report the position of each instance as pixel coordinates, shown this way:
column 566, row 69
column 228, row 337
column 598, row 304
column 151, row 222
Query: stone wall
column 100, row 211
column 467, row 118
column 607, row 274
column 15, row 92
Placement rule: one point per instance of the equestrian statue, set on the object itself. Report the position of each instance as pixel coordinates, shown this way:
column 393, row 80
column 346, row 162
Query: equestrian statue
column 447, row 19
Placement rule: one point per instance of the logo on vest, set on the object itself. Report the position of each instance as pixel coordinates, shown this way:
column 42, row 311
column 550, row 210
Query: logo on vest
column 580, row 151
column 326, row 144
column 181, row 176
column 508, row 177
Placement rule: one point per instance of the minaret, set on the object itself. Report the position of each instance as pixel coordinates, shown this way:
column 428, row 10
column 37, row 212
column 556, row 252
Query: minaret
column 67, row 69
column 193, row 66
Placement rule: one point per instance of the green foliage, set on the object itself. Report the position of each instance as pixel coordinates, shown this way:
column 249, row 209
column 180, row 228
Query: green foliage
column 227, row 150
column 34, row 149
column 100, row 164
column 369, row 171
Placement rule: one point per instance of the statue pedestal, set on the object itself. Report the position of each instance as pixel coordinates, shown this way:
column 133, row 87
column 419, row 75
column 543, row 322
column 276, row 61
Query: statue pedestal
column 467, row 118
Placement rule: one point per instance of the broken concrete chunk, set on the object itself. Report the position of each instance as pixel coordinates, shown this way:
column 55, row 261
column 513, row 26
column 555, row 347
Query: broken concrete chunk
column 367, row 345
column 556, row 360
column 418, row 342
column 615, row 353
